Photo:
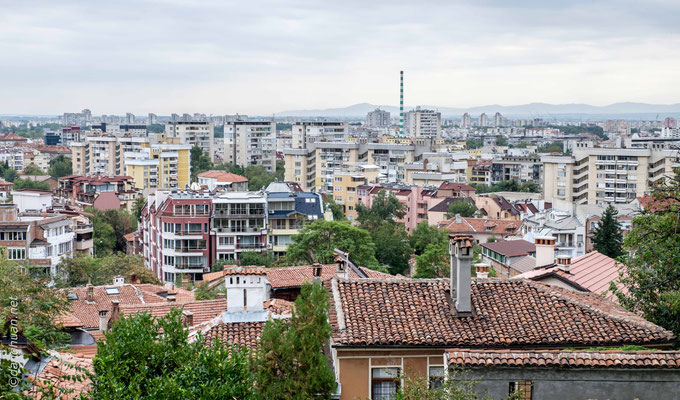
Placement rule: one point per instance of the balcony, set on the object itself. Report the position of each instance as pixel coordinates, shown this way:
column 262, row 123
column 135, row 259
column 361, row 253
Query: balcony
column 79, row 229
column 187, row 233
column 81, row 245
column 190, row 250
column 251, row 246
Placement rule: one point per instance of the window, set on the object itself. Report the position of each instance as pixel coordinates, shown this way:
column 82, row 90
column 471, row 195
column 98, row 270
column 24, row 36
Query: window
column 522, row 389
column 226, row 241
column 436, row 376
column 384, row 383
column 16, row 254
column 112, row 290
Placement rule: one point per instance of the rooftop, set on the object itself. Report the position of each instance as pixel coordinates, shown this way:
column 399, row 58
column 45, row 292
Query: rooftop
column 223, row 176
column 511, row 248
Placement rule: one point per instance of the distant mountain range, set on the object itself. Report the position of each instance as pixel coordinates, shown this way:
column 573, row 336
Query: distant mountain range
column 531, row 110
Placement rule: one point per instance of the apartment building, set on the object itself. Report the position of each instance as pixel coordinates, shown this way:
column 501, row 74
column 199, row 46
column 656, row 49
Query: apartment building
column 118, row 130
column 39, row 240
column 96, row 155
column 308, row 131
column 250, row 143
column 101, row 192
column 479, row 172
column 518, row 168
column 378, row 119
column 163, row 166
column 176, row 236
column 222, row 180
column 437, row 168
column 288, row 212
column 422, row 122
column 193, row 133
column 346, row 183
column 239, row 223
column 605, row 175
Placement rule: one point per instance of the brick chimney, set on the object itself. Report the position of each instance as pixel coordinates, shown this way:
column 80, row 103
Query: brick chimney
column 460, row 254
column 103, row 321
column 482, row 270
column 188, row 318
column 172, row 296
column 316, row 272
column 115, row 313
column 564, row 262
column 545, row 251
column 90, row 294
column 133, row 278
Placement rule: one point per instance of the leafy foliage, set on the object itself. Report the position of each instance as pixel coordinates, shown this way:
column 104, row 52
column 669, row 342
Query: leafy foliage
column 30, row 184
column 554, row 147
column 150, row 358
column 336, row 209
column 501, row 140
column 607, row 237
column 462, row 207
column 434, row 262
column 219, row 264
column 60, row 166
column 255, row 258
column 424, row 235
column 7, row 173
column 379, row 220
column 35, row 306
column 651, row 272
column 32, row 169
column 458, row 386
column 110, row 228
column 507, row 186
column 290, row 360
column 138, row 206
column 472, row 143
column 200, row 162
column 80, row 270
column 316, row 243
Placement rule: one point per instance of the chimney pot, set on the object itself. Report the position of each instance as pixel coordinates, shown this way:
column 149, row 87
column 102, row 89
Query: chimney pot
column 564, row 262
column 482, row 270
column 316, row 272
column 460, row 252
column 188, row 318
column 545, row 251
column 103, row 322
column 90, row 293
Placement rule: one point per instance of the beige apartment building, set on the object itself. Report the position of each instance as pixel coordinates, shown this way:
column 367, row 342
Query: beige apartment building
column 250, row 143
column 306, row 132
column 96, row 155
column 193, row 133
column 346, row 182
column 605, row 175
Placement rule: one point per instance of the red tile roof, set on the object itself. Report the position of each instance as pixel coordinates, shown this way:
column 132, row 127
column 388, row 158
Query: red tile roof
column 223, row 176
column 456, row 186
column 481, row 225
column 250, row 270
column 203, row 310
column 236, row 333
column 56, row 376
column 419, row 312
column 564, row 359
column 511, row 248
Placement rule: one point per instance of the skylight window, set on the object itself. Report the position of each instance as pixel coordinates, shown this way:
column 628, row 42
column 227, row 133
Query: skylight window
column 112, row 290
column 72, row 296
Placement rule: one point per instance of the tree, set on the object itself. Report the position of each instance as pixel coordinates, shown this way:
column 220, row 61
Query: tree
column 138, row 206
column 434, row 262
column 336, row 209
column 121, row 223
column 103, row 236
column 256, row 258
column 80, row 270
column 472, row 143
column 258, row 177
column 32, row 169
column 385, row 207
column 290, row 360
column 30, row 184
column 316, row 243
column 219, row 264
column 530, row 187
column 60, row 166
column 423, row 235
column 151, row 358
column 463, row 207
column 200, row 162
column 607, row 237
column 650, row 281
column 501, row 140
column 458, row 386
column 32, row 305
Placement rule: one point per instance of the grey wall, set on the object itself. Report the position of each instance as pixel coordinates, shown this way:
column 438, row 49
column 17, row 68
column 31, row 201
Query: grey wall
column 576, row 384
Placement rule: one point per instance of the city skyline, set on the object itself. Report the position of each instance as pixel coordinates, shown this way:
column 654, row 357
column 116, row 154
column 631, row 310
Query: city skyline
column 264, row 58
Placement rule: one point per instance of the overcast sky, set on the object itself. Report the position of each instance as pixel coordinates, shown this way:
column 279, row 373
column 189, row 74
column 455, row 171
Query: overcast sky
column 262, row 57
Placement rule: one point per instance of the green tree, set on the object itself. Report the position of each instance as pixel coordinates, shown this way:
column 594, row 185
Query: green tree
column 104, row 237
column 385, row 207
column 32, row 169
column 458, row 386
column 219, row 264
column 434, row 262
column 256, row 258
column 462, row 207
column 121, row 223
column 200, row 162
column 155, row 128
column 529, row 187
column 60, row 166
column 290, row 360
column 501, row 140
column 258, row 177
column 151, row 358
column 336, row 209
column 472, row 143
column 138, row 206
column 650, row 281
column 280, row 174
column 80, row 270
column 423, row 235
column 607, row 237
column 316, row 243
column 32, row 304
column 30, row 184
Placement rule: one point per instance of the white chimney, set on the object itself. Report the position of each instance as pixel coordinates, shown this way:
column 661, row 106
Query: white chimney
column 545, row 251
column 247, row 288
column 103, row 322
column 460, row 249
column 118, row 281
column 482, row 270
column 564, row 262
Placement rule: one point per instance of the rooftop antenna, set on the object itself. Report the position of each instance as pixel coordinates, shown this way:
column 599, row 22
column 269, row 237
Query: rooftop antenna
column 401, row 103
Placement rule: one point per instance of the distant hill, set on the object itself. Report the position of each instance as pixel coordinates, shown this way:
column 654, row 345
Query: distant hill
column 531, row 110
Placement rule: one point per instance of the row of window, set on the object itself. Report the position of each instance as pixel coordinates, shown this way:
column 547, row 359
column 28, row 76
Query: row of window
column 13, row 236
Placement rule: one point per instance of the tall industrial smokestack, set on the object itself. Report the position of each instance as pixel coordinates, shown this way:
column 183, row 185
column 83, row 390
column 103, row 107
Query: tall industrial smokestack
column 401, row 103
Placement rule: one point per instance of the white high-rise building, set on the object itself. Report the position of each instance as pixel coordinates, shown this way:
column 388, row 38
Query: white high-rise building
column 497, row 120
column 152, row 119
column 250, row 143
column 465, row 120
column 308, row 131
column 483, row 120
column 378, row 119
column 129, row 118
column 421, row 122
column 194, row 133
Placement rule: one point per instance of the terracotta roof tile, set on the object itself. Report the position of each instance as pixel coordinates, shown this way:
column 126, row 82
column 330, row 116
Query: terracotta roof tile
column 56, row 375
column 505, row 313
column 479, row 225
column 244, row 271
column 203, row 310
column 236, row 333
column 564, row 359
column 223, row 176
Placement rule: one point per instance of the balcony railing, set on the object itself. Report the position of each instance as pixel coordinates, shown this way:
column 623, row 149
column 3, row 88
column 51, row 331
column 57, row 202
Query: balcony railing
column 251, row 245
